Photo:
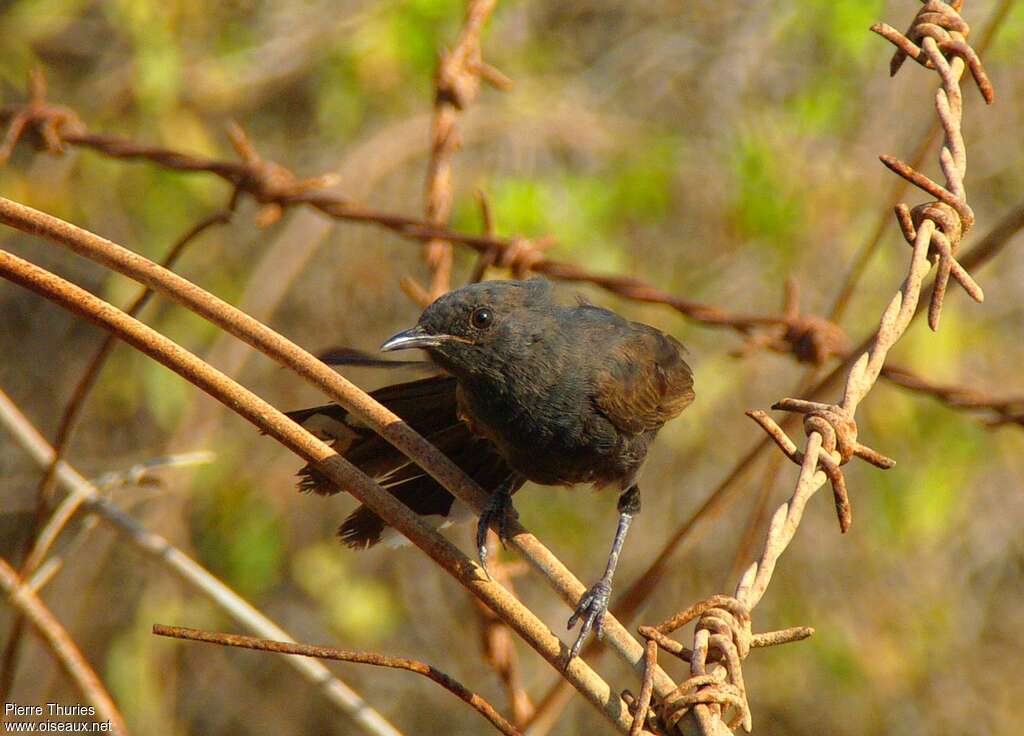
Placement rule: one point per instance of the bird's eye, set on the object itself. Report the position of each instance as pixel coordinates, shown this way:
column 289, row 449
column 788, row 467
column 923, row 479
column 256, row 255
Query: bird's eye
column 481, row 318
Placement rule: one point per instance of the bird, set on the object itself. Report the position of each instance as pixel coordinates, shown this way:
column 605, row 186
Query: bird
column 526, row 389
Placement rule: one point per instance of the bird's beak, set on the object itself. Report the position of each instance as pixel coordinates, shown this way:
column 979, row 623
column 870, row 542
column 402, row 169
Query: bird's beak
column 416, row 337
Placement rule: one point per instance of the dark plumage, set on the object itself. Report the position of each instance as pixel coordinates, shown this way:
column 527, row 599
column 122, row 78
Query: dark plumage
column 532, row 390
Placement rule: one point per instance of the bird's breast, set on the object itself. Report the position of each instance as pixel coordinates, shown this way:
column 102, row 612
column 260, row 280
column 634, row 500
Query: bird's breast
column 552, row 435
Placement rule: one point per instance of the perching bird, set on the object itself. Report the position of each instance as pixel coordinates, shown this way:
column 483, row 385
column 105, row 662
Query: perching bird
column 557, row 395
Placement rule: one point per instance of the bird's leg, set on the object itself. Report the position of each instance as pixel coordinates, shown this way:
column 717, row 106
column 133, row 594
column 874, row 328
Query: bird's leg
column 594, row 603
column 498, row 509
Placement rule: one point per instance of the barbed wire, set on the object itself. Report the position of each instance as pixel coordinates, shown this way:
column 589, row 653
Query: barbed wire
column 808, row 338
column 456, row 82
column 716, row 694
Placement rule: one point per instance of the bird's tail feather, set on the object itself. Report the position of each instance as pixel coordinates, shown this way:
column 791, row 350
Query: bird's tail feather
column 429, row 407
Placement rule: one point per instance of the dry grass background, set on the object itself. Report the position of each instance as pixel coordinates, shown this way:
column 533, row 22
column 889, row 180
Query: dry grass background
column 712, row 150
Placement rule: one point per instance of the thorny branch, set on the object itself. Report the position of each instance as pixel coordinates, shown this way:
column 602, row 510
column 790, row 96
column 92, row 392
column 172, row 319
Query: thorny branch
column 937, row 40
column 448, row 682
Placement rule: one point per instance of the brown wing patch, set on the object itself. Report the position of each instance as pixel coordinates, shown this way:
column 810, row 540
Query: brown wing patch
column 646, row 383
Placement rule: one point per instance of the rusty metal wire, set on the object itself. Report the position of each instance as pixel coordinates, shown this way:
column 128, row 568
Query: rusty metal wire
column 717, row 694
column 273, row 423
column 446, row 681
column 457, row 81
column 33, row 553
column 994, row 411
column 808, row 338
column 276, row 188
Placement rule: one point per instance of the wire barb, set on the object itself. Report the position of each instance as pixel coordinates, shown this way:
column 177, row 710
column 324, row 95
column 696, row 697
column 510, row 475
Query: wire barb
column 935, row 229
column 723, row 639
column 937, row 35
column 47, row 124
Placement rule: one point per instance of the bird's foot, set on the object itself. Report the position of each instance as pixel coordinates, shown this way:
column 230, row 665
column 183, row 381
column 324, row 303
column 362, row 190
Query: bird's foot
column 498, row 510
column 591, row 610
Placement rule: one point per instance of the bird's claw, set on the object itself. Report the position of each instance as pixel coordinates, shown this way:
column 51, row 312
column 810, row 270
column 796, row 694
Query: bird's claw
column 591, row 609
column 498, row 509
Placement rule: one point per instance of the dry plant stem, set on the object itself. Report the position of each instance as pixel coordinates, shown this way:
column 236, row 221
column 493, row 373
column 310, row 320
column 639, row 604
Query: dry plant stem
column 38, row 541
column 344, row 655
column 63, row 647
column 457, row 82
column 333, row 466
column 384, row 422
column 187, row 569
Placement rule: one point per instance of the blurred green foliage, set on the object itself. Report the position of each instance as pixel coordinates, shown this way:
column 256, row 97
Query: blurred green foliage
column 237, row 535
column 711, row 149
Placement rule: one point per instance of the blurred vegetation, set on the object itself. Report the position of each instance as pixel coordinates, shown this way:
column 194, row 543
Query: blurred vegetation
column 712, row 149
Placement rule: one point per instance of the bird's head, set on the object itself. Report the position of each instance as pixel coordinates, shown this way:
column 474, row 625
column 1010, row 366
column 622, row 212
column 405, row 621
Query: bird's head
column 480, row 327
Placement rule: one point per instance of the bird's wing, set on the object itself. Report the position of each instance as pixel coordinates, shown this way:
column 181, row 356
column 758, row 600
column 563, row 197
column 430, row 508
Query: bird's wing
column 430, row 408
column 645, row 382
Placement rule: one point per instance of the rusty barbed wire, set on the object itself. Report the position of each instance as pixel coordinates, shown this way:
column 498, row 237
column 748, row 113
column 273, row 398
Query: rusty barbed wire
column 808, row 338
column 717, row 694
column 456, row 83
column 277, row 189
column 995, row 411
